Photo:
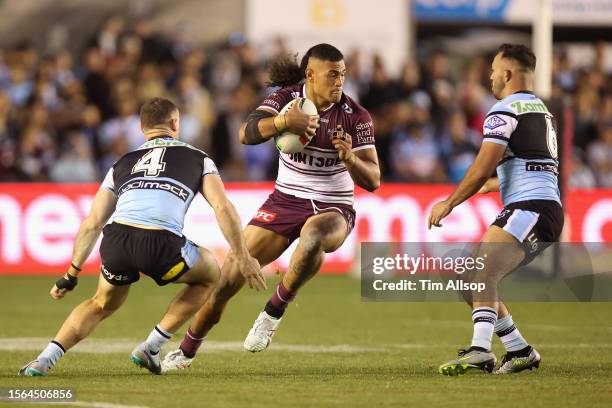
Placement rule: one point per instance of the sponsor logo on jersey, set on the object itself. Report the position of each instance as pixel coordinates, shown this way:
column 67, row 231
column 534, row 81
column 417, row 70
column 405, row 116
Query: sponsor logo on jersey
column 365, row 139
column 528, row 107
column 295, row 94
column 493, row 122
column 538, row 166
column 175, row 189
column 272, row 103
column 365, row 132
column 313, row 160
column 347, row 108
column 113, row 277
column 265, row 216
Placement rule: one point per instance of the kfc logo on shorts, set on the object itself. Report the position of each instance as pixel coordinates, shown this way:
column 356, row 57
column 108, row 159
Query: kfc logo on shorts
column 265, row 216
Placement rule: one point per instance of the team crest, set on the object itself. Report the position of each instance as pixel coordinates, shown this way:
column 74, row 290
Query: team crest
column 347, row 108
column 494, row 122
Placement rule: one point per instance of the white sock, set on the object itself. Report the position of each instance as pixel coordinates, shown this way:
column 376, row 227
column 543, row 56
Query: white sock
column 509, row 334
column 484, row 319
column 51, row 354
column 157, row 338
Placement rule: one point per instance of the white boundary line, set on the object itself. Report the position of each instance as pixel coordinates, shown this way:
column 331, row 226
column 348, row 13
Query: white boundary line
column 118, row 345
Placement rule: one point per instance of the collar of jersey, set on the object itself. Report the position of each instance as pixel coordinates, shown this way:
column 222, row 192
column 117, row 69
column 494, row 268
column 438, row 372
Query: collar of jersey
column 160, row 137
column 527, row 92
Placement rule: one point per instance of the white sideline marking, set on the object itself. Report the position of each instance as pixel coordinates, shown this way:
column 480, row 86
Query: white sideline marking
column 112, row 345
column 127, row 345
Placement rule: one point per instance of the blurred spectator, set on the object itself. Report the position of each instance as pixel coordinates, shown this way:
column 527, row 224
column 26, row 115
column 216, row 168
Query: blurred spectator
column 459, row 146
column 120, row 134
column 197, row 111
column 37, row 144
column 599, row 154
column 581, row 176
column 67, row 111
column 75, row 164
column 415, row 152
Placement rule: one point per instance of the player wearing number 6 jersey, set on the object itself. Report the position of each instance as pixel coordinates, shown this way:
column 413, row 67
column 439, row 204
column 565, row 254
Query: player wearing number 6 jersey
column 147, row 193
column 520, row 141
column 313, row 199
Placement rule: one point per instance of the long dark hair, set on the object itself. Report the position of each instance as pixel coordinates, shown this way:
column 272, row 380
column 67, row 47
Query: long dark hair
column 285, row 70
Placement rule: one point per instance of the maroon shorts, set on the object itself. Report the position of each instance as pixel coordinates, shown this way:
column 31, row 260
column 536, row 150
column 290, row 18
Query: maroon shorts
column 286, row 214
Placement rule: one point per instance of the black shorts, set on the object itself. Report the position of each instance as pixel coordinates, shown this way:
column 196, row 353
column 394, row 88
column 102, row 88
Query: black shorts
column 534, row 223
column 126, row 251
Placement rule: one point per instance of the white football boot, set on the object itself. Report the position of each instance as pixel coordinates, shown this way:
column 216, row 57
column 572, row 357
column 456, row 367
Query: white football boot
column 176, row 360
column 260, row 335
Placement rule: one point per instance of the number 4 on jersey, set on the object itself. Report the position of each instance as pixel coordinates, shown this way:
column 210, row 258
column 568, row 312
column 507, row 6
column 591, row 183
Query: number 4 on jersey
column 151, row 163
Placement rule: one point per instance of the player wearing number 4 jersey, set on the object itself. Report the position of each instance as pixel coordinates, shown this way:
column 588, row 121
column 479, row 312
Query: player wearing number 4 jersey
column 313, row 199
column 147, row 193
column 520, row 140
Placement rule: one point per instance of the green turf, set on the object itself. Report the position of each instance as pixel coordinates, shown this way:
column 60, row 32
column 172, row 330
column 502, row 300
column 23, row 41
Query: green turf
column 414, row 338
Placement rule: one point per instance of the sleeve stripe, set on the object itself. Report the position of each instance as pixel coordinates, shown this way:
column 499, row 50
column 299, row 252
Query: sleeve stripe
column 267, row 109
column 112, row 190
column 512, row 115
column 504, row 138
column 497, row 141
column 368, row 146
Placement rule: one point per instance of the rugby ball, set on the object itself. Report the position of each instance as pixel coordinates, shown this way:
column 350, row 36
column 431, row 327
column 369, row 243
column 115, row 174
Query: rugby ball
column 288, row 142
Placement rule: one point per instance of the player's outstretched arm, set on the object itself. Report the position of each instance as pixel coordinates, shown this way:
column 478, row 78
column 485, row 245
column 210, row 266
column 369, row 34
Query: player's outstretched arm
column 477, row 175
column 101, row 209
column 229, row 222
column 262, row 125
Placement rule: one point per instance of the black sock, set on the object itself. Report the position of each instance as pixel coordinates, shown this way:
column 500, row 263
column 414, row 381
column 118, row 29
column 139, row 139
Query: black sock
column 274, row 311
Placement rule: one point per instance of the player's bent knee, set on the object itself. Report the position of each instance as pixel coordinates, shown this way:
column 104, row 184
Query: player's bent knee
column 229, row 284
column 205, row 272
column 104, row 305
column 311, row 242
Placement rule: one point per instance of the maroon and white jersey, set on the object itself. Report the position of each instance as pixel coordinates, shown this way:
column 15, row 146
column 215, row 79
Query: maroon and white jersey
column 317, row 173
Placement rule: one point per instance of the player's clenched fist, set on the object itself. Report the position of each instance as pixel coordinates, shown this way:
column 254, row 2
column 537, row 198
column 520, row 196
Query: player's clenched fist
column 343, row 143
column 64, row 284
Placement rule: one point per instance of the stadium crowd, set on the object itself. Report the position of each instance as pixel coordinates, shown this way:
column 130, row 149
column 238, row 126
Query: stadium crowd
column 66, row 118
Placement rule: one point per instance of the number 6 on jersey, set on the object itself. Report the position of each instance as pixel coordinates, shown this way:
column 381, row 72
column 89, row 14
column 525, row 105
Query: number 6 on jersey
column 151, row 163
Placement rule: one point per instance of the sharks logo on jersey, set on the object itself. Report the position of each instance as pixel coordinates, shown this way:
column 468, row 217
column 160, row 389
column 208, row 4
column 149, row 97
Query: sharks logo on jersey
column 493, row 122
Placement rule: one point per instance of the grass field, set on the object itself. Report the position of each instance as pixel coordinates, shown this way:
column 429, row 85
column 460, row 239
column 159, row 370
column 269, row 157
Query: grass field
column 331, row 350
